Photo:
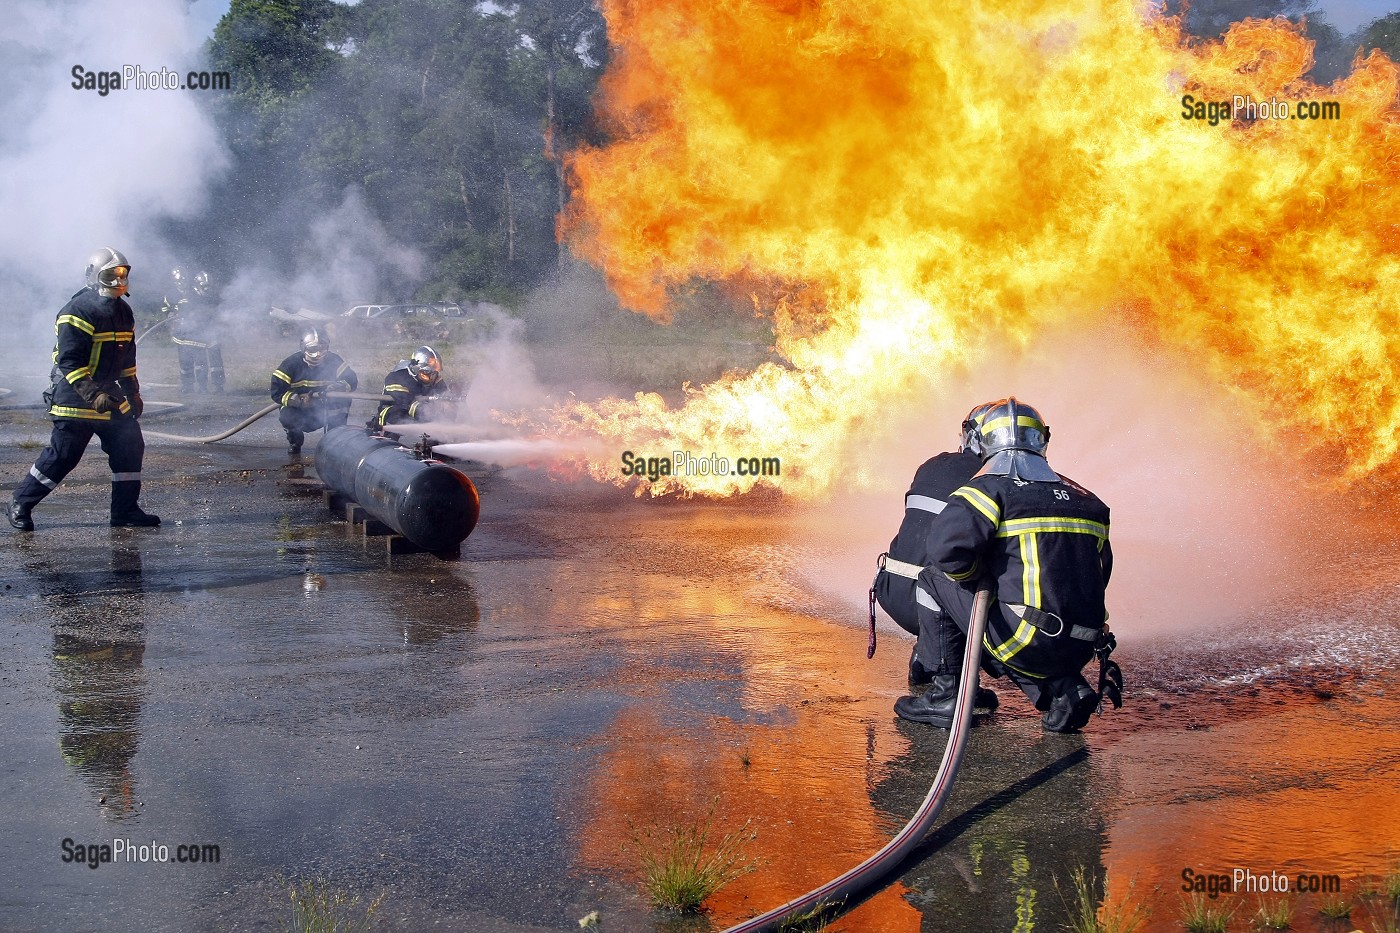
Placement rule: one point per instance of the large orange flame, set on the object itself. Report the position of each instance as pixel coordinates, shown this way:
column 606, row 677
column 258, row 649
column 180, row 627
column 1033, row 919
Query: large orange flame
column 898, row 180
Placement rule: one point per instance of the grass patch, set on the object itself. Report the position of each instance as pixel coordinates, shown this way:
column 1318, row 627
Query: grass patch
column 745, row 757
column 1082, row 903
column 318, row 908
column 1335, row 907
column 683, row 865
column 1275, row 913
column 1199, row 915
column 1382, row 914
column 1390, row 885
column 812, row 920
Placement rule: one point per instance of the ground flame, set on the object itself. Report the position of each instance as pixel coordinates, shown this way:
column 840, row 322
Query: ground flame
column 898, row 181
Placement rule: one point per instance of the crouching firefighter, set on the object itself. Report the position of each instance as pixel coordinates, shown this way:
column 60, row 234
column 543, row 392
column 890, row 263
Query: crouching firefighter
column 1043, row 540
column 895, row 581
column 417, row 392
column 94, row 391
column 300, row 383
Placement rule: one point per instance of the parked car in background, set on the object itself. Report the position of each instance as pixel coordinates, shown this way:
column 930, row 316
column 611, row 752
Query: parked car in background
column 368, row 312
column 435, row 309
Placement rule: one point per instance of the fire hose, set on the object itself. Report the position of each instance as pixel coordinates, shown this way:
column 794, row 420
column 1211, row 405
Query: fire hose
column 261, row 413
column 870, row 872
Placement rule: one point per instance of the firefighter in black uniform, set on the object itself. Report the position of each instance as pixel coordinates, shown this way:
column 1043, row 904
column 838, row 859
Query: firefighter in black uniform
column 300, row 384
column 1043, row 539
column 900, row 566
column 417, row 390
column 196, row 336
column 95, row 391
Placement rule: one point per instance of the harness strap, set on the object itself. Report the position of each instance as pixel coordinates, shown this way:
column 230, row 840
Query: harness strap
column 1045, row 620
column 901, row 569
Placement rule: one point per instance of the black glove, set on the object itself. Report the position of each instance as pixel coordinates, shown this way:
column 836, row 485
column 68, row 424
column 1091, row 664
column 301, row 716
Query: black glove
column 101, row 401
column 87, row 389
column 300, row 400
column 137, row 406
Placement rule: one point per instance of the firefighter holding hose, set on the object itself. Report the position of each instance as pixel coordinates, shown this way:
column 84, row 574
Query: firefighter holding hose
column 1043, row 539
column 300, row 383
column 417, row 392
column 95, row 392
column 895, row 583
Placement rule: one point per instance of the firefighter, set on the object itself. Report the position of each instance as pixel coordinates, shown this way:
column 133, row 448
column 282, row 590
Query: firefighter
column 196, row 336
column 94, row 391
column 1043, row 540
column 417, row 390
column 901, row 565
column 300, row 384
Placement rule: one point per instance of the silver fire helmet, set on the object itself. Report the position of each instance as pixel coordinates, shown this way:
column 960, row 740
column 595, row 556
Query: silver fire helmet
column 425, row 366
column 178, row 278
column 1012, row 438
column 201, row 283
column 314, row 344
column 108, row 269
column 971, row 428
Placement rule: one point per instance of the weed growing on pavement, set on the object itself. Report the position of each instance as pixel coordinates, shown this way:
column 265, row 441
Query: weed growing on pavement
column 1200, row 916
column 318, row 908
column 1274, row 913
column 1335, row 908
column 683, row 865
column 1087, row 916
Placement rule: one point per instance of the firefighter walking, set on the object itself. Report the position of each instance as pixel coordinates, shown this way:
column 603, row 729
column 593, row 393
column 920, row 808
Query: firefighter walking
column 95, row 392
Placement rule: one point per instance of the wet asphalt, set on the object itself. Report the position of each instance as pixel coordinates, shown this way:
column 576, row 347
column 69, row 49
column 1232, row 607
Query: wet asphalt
column 487, row 742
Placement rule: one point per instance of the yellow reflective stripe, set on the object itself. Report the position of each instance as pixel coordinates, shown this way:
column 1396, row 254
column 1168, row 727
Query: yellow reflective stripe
column 1025, row 526
column 383, row 413
column 395, row 388
column 77, row 374
column 1024, row 421
column 278, row 374
column 966, row 574
column 112, row 336
column 63, row 411
column 77, row 322
column 980, row 501
column 314, row 383
column 342, row 369
column 286, row 398
column 413, row 410
column 1007, row 649
column 1030, row 570
column 129, row 372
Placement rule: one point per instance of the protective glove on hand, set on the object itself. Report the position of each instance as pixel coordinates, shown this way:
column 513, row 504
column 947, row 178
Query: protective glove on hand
column 104, row 402
column 137, row 405
column 301, row 400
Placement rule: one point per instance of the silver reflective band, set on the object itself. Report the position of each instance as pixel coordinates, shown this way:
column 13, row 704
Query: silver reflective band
column 900, row 569
column 926, row 503
column 34, row 472
column 924, row 599
column 125, row 477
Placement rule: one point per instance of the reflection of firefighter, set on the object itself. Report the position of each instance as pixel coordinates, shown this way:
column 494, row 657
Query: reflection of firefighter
column 95, row 391
column 1044, row 540
column 894, row 585
column 300, row 384
column 417, row 390
column 101, row 688
column 195, row 332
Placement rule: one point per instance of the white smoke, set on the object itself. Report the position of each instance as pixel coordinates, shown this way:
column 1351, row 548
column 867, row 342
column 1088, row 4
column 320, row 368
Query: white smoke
column 83, row 170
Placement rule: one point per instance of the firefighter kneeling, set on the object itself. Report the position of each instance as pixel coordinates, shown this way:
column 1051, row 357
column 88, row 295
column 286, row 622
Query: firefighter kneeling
column 1043, row 540
column 416, row 391
column 300, row 384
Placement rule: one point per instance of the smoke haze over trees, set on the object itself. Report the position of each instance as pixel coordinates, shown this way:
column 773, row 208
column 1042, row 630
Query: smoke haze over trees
column 443, row 120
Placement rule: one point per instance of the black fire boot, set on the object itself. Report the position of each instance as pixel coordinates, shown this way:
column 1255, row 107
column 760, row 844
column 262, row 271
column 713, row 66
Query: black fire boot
column 1070, row 710
column 936, row 707
column 125, row 512
column 294, row 441
column 19, row 516
column 920, row 677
